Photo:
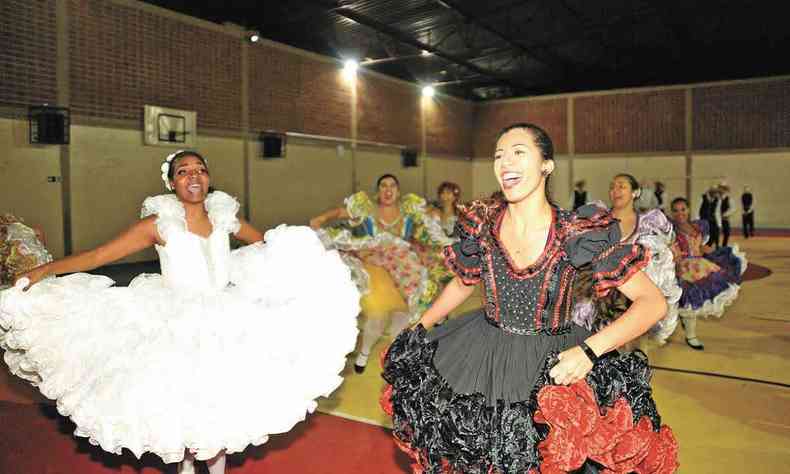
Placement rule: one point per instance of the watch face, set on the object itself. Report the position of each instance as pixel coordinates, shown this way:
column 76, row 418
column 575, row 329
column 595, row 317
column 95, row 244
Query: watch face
column 172, row 128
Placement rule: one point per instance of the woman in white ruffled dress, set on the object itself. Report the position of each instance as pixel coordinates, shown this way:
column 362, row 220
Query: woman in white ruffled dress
column 216, row 353
column 652, row 230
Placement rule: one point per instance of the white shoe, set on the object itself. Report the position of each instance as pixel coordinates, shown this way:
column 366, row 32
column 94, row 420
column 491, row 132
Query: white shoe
column 361, row 363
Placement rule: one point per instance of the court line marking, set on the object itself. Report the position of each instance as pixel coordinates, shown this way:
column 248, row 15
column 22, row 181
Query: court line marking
column 723, row 376
column 762, row 318
column 354, row 418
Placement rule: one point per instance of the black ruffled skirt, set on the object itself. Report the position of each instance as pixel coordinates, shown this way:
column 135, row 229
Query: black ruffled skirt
column 471, row 398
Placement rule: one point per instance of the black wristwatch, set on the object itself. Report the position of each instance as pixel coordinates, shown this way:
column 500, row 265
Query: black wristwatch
column 588, row 352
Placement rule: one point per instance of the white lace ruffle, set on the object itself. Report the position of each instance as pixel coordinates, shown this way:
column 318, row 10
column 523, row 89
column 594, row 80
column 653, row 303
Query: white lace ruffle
column 153, row 369
column 654, row 231
column 713, row 307
column 434, row 227
column 741, row 256
column 720, row 302
column 221, row 207
column 661, row 271
column 222, row 211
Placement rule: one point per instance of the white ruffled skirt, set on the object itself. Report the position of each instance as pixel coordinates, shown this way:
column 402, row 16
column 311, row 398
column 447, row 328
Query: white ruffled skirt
column 153, row 369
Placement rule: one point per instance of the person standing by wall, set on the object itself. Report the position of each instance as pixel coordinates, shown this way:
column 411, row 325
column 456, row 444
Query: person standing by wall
column 708, row 211
column 747, row 212
column 726, row 210
column 659, row 192
column 579, row 197
column 647, row 199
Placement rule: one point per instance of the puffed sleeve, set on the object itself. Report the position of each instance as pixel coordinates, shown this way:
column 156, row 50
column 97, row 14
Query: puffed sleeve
column 359, row 206
column 595, row 240
column 464, row 256
column 169, row 211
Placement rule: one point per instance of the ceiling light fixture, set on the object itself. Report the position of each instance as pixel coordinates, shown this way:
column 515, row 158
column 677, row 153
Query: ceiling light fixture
column 350, row 67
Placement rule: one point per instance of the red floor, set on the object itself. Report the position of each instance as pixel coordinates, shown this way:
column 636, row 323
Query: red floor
column 34, row 439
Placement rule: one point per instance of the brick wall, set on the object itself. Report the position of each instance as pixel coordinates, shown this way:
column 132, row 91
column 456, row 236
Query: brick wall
column 275, row 90
column 549, row 114
column 388, row 111
column 630, row 122
column 450, row 127
column 28, row 52
column 753, row 115
column 325, row 100
column 122, row 58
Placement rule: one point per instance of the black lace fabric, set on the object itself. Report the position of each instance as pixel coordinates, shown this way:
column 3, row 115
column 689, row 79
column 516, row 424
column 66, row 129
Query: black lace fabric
column 445, row 431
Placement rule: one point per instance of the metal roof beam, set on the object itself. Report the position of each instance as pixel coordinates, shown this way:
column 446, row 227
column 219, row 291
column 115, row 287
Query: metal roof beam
column 546, row 58
column 408, row 40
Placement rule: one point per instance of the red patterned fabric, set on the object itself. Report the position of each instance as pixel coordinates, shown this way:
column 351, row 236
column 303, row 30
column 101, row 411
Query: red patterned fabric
column 469, row 274
column 578, row 431
column 580, row 223
column 634, row 261
column 385, row 400
column 415, row 455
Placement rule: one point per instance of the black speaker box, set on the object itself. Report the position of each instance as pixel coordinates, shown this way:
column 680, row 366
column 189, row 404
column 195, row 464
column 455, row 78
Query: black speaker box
column 408, row 158
column 272, row 145
column 49, row 125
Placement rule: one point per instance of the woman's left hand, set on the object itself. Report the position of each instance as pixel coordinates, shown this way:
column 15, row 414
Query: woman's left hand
column 573, row 366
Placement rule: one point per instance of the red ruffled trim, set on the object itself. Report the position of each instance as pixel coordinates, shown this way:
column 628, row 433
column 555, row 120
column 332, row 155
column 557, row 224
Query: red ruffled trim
column 420, row 459
column 385, row 400
column 469, row 275
column 473, row 215
column 414, row 454
column 601, row 219
column 628, row 266
column 578, row 431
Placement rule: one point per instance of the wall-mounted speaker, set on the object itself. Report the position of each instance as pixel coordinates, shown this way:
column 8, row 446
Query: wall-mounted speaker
column 408, row 158
column 272, row 145
column 49, row 125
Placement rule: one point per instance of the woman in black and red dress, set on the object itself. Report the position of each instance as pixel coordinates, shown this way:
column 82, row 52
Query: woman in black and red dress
column 516, row 387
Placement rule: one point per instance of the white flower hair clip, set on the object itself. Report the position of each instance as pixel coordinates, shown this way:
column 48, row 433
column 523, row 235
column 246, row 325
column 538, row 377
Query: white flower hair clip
column 169, row 161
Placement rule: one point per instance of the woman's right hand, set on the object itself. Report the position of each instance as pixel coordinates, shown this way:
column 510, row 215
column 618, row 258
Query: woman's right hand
column 34, row 276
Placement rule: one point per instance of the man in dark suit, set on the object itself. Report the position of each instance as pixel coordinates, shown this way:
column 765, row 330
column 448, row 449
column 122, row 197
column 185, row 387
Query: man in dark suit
column 708, row 211
column 726, row 211
column 747, row 209
column 704, row 208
